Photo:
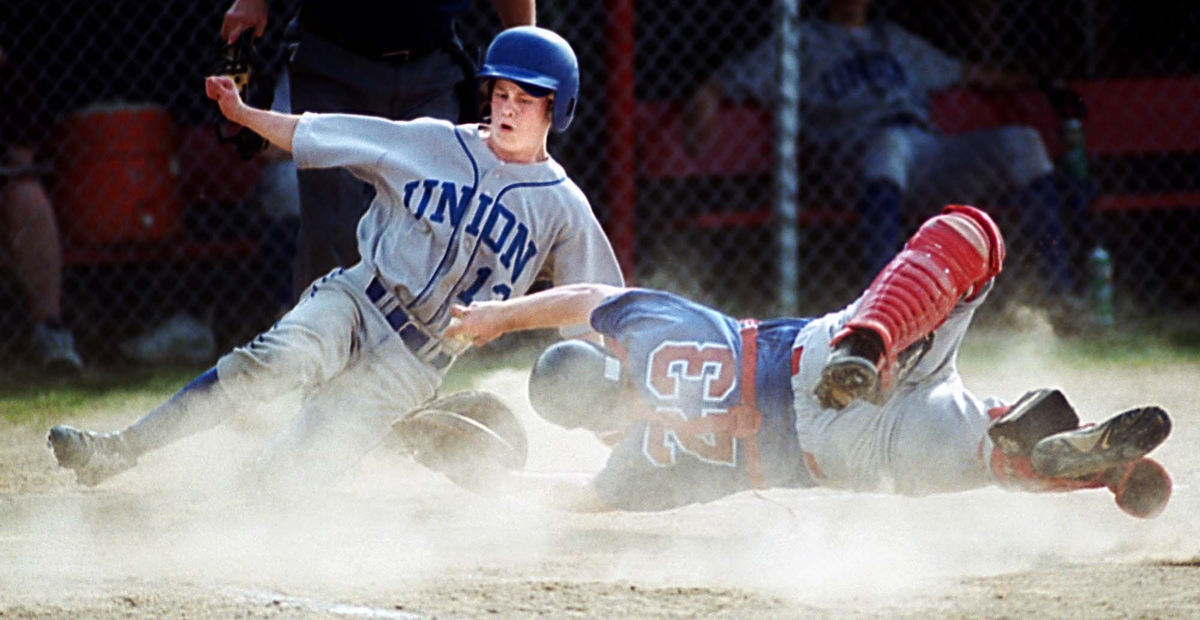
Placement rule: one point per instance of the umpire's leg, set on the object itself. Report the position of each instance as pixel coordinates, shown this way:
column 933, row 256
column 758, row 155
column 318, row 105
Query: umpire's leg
column 327, row 78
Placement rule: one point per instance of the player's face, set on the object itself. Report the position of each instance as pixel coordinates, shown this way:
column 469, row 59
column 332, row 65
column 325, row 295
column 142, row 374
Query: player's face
column 519, row 124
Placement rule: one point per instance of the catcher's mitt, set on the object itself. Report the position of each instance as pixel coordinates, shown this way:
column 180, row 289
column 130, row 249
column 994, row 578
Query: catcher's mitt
column 237, row 61
column 468, row 436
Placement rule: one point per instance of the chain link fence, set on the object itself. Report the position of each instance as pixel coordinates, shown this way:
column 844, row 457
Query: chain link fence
column 158, row 220
column 743, row 221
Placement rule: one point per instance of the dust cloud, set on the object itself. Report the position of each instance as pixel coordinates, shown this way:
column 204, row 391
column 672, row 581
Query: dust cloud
column 185, row 514
column 391, row 537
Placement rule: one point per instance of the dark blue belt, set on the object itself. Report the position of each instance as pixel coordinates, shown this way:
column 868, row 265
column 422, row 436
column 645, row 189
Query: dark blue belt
column 414, row 338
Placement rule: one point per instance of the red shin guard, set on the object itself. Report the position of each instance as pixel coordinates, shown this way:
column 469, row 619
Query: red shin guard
column 950, row 256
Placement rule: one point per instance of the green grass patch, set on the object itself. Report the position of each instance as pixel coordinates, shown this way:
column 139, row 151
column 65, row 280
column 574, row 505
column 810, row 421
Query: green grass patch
column 28, row 396
column 1134, row 348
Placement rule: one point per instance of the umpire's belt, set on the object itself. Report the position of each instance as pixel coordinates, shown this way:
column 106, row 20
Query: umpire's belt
column 427, row 348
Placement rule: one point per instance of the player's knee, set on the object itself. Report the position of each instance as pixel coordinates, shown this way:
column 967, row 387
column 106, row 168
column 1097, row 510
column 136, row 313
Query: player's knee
column 896, row 142
column 1024, row 141
column 971, row 239
column 247, row 375
column 1026, row 154
column 889, row 154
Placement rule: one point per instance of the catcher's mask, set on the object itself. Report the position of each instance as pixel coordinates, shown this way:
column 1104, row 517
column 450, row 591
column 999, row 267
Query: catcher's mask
column 575, row 384
column 540, row 62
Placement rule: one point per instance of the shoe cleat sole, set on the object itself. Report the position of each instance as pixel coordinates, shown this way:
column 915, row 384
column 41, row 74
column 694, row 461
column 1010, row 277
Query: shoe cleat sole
column 1123, row 438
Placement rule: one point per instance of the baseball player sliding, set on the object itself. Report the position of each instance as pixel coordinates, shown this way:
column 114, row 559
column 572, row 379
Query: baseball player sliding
column 462, row 213
column 699, row 405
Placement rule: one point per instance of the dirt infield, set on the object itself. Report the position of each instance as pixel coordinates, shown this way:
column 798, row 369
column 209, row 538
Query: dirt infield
column 394, row 541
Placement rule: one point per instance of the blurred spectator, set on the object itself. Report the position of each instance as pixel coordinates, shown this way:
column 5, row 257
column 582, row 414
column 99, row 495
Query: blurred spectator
column 180, row 338
column 398, row 60
column 864, row 91
column 188, row 335
column 32, row 247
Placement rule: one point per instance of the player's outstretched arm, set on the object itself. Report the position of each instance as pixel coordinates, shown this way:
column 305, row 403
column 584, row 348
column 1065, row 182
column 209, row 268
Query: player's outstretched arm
column 276, row 127
column 484, row 321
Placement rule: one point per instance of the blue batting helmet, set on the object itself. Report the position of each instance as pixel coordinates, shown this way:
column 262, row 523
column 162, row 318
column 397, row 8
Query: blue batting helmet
column 540, row 62
column 575, row 384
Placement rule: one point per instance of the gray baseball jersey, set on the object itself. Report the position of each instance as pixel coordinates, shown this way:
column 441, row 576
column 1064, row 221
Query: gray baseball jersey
column 450, row 223
column 851, row 79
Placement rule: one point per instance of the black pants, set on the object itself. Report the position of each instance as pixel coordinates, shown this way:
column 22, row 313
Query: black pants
column 328, row 78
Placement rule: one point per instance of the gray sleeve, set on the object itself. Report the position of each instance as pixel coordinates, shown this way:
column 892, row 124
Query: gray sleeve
column 928, row 67
column 583, row 254
column 586, row 256
column 358, row 143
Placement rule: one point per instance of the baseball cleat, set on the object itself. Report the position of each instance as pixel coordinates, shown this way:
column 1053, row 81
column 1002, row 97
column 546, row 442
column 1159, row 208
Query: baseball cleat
column 94, row 457
column 1123, row 438
column 1035, row 416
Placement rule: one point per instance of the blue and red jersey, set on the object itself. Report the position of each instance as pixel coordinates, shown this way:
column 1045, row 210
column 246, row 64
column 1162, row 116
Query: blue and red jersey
column 684, row 362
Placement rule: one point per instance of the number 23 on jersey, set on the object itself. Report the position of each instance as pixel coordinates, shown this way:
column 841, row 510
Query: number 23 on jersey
column 689, row 382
